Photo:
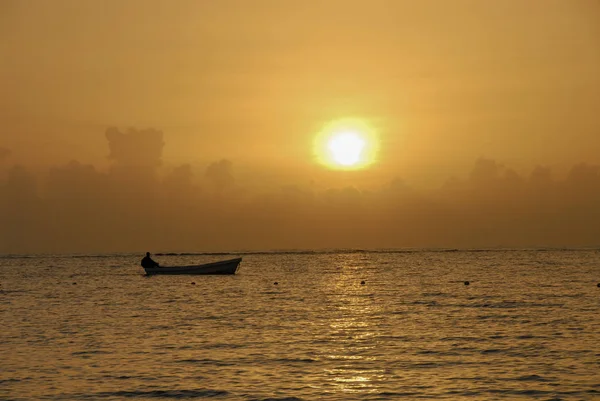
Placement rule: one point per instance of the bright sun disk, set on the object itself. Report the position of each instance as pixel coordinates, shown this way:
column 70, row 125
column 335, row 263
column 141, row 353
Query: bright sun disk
column 347, row 144
column 346, row 148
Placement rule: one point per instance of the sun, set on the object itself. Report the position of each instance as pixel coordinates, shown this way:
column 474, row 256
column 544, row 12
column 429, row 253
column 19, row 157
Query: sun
column 346, row 147
column 347, row 144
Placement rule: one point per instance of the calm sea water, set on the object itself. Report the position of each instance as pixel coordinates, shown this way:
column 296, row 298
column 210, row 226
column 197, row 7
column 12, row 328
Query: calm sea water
column 96, row 328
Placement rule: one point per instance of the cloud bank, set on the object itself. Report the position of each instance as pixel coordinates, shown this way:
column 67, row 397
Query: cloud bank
column 133, row 207
column 4, row 153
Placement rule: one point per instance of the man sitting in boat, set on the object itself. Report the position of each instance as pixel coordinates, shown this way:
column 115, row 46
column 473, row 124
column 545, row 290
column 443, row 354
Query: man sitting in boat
column 147, row 262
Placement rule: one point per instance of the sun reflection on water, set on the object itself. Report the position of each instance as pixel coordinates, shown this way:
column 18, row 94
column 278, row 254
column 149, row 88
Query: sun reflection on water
column 352, row 362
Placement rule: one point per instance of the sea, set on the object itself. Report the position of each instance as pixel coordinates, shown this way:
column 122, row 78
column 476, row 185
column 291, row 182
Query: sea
column 500, row 324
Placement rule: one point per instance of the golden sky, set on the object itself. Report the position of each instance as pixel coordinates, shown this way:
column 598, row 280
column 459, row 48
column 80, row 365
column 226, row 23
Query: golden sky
column 442, row 85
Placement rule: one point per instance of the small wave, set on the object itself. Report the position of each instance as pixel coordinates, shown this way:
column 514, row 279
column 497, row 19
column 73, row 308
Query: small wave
column 277, row 399
column 426, row 303
column 119, row 377
column 4, row 292
column 528, row 392
column 532, row 378
column 433, row 294
column 223, row 346
column 2, row 381
column 210, row 362
column 438, row 353
column 95, row 352
column 538, row 393
column 464, row 338
column 491, row 351
column 395, row 394
column 177, row 394
column 295, row 360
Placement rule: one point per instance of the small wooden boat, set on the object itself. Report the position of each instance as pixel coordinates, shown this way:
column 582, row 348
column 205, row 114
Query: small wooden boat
column 230, row 266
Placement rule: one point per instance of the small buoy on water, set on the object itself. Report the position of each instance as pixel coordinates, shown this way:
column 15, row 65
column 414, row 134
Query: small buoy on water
column 467, row 283
column 275, row 283
column 362, row 282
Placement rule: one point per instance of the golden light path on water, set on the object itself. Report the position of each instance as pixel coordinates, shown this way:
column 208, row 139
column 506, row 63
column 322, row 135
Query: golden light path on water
column 353, row 353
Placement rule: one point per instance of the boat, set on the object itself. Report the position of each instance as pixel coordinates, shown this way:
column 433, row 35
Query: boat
column 230, row 266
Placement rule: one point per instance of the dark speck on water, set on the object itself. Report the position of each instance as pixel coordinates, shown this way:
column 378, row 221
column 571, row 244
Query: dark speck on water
column 413, row 335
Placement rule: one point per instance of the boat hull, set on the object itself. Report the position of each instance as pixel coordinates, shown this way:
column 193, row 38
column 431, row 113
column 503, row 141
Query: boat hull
column 230, row 266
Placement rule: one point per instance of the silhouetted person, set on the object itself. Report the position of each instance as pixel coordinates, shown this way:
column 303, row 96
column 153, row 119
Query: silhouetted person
column 147, row 262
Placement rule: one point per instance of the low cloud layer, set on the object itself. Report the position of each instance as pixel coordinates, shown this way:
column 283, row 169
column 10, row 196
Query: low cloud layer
column 4, row 153
column 131, row 207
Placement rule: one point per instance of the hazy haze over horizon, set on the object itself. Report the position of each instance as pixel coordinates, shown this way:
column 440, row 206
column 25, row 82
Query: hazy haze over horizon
column 152, row 125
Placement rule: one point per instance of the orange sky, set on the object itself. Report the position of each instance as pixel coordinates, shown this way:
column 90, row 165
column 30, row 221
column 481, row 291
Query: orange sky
column 443, row 83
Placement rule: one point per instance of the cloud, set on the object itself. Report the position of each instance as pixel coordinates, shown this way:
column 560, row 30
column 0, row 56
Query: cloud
column 22, row 212
column 220, row 174
column 75, row 181
column 140, row 148
column 180, row 177
column 20, row 183
column 4, row 153
column 485, row 171
column 78, row 208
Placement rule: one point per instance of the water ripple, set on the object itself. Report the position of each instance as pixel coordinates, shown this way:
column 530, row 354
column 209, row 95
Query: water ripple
column 413, row 330
column 176, row 394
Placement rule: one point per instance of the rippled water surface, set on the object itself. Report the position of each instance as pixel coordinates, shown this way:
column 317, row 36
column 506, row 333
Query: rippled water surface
column 96, row 328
